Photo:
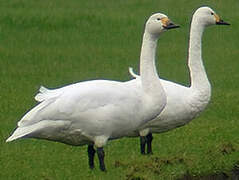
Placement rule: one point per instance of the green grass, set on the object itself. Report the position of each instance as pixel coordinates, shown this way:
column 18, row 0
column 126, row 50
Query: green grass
column 55, row 43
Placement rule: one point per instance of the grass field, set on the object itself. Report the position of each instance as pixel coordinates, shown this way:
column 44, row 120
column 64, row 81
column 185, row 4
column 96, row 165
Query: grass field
column 54, row 43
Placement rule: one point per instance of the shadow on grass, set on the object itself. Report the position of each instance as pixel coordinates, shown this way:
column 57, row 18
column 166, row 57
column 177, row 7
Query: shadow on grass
column 233, row 175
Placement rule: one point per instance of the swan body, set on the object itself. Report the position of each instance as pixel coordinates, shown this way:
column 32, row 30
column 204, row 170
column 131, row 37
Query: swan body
column 183, row 103
column 93, row 112
column 182, row 106
column 59, row 115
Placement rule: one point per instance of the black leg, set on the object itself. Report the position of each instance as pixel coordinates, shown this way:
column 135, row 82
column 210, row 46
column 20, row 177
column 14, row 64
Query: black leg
column 91, row 154
column 101, row 155
column 149, row 138
column 142, row 144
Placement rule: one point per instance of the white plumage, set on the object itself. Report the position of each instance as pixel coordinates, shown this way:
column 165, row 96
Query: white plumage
column 93, row 112
column 183, row 103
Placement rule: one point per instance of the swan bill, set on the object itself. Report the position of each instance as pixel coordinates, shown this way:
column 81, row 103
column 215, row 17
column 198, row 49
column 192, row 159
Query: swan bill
column 171, row 26
column 221, row 22
column 168, row 24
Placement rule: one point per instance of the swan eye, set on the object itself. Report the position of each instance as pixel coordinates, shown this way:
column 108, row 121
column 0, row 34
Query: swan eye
column 158, row 19
column 212, row 13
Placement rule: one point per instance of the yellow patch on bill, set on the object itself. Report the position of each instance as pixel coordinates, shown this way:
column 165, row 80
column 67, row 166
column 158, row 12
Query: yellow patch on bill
column 217, row 17
column 165, row 21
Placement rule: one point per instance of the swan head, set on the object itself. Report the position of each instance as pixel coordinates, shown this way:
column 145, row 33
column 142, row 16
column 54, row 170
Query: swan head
column 158, row 23
column 206, row 16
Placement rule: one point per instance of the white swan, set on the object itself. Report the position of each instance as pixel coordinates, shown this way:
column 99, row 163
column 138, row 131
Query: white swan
column 94, row 112
column 183, row 103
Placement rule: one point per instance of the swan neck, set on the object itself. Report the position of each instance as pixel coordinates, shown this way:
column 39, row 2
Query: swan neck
column 148, row 72
column 198, row 74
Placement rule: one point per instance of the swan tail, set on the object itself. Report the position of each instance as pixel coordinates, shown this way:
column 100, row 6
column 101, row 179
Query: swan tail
column 45, row 94
column 42, row 95
column 131, row 71
column 43, row 89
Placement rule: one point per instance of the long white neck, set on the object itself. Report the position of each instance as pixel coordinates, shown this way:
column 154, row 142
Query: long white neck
column 149, row 76
column 199, row 80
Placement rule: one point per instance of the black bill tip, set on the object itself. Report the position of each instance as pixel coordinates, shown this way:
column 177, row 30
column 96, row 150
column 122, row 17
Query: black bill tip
column 221, row 22
column 171, row 26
